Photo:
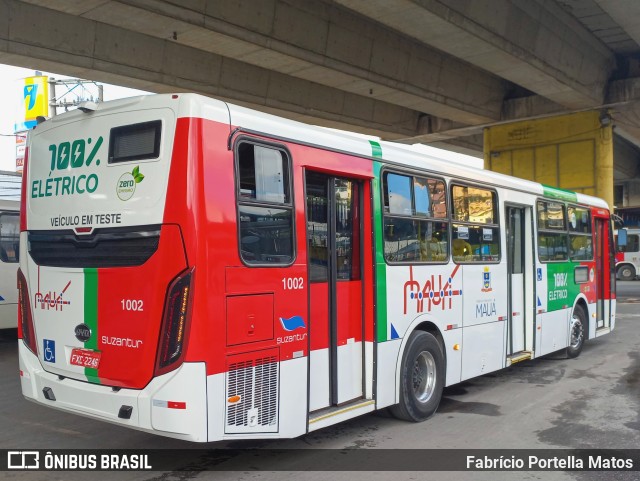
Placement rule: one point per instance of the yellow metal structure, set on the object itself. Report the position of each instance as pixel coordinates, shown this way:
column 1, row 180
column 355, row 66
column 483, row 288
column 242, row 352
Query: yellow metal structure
column 573, row 152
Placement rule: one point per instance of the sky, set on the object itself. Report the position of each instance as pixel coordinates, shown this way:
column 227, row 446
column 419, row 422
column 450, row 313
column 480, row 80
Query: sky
column 12, row 111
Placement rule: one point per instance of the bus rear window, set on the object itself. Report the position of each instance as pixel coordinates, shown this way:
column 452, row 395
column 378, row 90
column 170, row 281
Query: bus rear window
column 135, row 142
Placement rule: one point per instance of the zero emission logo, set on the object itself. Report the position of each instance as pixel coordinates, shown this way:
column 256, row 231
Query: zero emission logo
column 127, row 183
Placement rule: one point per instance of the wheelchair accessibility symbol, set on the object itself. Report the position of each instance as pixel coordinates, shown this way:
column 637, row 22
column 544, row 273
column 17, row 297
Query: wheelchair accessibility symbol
column 49, row 350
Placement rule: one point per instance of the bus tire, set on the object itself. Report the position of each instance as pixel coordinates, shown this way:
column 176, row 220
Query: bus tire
column 626, row 272
column 577, row 332
column 421, row 378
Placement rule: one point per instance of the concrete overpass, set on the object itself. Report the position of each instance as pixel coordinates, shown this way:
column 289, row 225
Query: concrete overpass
column 433, row 71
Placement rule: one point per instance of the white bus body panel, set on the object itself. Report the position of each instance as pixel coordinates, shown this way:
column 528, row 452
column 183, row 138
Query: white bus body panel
column 292, row 415
column 388, row 366
column 52, row 202
column 319, row 388
column 186, row 384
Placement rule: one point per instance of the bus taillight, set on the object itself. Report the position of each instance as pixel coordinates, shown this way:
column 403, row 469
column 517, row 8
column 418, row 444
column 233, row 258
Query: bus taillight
column 174, row 323
column 26, row 330
column 23, row 192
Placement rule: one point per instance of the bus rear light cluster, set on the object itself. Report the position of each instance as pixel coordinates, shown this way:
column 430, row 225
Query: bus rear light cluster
column 175, row 323
column 26, row 331
column 23, row 192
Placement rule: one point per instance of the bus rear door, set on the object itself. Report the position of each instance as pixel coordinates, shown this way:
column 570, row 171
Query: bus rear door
column 521, row 292
column 604, row 271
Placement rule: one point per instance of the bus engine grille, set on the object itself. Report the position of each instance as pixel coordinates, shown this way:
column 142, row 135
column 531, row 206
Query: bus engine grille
column 252, row 395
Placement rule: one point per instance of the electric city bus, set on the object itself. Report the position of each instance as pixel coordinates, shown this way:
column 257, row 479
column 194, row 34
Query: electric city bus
column 207, row 272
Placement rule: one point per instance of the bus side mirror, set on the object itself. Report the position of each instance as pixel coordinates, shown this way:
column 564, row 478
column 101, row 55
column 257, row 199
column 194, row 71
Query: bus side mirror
column 622, row 237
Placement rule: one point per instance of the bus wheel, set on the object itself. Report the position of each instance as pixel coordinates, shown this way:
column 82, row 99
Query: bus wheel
column 421, row 378
column 576, row 332
column 627, row 273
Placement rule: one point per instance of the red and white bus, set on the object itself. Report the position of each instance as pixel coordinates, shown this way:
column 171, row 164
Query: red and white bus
column 628, row 253
column 203, row 271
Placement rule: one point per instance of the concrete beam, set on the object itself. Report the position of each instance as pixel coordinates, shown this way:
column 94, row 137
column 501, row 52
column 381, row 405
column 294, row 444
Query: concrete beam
column 624, row 13
column 472, row 145
column 627, row 157
column 622, row 101
column 78, row 46
column 627, row 123
column 315, row 41
column 532, row 43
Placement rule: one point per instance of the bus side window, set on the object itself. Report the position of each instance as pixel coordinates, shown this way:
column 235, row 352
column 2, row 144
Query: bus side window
column 580, row 241
column 475, row 232
column 416, row 228
column 633, row 243
column 9, row 237
column 265, row 211
column 552, row 231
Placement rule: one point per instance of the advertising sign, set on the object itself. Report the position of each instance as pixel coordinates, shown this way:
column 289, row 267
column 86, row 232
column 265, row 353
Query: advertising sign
column 36, row 97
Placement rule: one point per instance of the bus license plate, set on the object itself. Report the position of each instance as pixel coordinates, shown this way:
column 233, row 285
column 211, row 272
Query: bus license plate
column 85, row 358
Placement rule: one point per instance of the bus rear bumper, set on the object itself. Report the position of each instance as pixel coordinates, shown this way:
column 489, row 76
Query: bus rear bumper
column 173, row 405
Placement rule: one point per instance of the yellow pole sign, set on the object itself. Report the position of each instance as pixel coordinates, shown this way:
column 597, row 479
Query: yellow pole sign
column 36, row 98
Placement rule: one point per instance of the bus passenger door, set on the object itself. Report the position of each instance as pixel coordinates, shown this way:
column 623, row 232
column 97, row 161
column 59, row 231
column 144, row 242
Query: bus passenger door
column 334, row 233
column 603, row 272
column 520, row 271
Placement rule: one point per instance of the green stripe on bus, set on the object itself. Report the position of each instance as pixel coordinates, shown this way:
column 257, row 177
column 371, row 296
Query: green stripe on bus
column 381, row 265
column 376, row 149
column 561, row 194
column 91, row 317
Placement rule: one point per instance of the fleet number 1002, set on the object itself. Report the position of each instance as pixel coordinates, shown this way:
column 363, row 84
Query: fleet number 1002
column 292, row 283
column 132, row 305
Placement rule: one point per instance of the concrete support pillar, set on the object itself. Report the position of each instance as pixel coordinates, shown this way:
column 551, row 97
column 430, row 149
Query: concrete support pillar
column 604, row 163
column 573, row 152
